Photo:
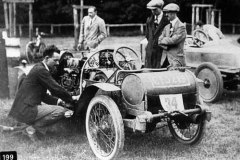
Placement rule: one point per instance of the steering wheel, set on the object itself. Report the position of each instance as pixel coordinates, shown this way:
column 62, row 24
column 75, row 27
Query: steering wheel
column 126, row 58
column 198, row 42
column 199, row 37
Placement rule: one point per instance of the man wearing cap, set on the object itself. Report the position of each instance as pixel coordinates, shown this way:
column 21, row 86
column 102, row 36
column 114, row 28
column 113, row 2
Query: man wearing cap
column 154, row 27
column 172, row 38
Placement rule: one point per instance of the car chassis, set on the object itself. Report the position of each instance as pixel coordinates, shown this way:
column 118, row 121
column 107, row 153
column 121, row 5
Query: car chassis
column 121, row 95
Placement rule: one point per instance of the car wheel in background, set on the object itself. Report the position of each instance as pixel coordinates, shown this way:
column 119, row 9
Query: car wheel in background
column 211, row 87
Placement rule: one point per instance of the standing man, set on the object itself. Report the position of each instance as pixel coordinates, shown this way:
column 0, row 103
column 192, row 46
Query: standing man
column 212, row 32
column 172, row 38
column 92, row 32
column 27, row 106
column 154, row 27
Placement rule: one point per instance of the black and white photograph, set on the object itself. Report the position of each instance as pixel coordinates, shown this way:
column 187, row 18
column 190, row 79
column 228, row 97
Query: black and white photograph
column 119, row 79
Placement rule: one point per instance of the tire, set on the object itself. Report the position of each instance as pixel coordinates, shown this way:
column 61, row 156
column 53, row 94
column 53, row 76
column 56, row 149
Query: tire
column 29, row 52
column 212, row 87
column 34, row 54
column 20, row 80
column 103, row 116
column 186, row 132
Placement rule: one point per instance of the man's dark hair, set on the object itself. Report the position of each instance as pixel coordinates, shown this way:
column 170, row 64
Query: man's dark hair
column 199, row 23
column 49, row 50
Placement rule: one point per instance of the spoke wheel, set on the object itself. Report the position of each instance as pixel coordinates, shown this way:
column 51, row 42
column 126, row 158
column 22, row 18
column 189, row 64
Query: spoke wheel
column 104, row 127
column 212, row 87
column 186, row 132
column 126, row 58
column 34, row 54
column 29, row 52
column 20, row 80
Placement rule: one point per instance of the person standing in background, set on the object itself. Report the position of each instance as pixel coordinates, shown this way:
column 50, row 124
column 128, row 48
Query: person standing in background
column 92, row 32
column 154, row 27
column 172, row 38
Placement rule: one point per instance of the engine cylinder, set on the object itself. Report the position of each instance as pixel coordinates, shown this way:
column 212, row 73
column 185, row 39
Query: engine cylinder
column 134, row 86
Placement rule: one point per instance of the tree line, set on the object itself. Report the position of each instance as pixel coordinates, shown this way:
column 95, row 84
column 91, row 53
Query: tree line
column 116, row 11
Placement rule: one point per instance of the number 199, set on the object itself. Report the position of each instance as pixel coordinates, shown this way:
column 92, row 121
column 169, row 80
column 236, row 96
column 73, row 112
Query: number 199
column 8, row 157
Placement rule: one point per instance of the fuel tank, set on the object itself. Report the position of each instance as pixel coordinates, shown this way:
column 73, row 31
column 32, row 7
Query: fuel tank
column 135, row 85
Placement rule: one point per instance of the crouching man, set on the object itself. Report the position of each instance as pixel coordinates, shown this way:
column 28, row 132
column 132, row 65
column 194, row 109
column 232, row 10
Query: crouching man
column 27, row 106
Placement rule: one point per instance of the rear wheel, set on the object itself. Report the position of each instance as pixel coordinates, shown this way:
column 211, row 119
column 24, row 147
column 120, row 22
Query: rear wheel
column 20, row 80
column 186, row 132
column 34, row 53
column 104, row 127
column 212, row 87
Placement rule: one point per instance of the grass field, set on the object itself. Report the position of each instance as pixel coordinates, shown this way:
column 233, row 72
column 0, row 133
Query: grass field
column 110, row 42
column 67, row 141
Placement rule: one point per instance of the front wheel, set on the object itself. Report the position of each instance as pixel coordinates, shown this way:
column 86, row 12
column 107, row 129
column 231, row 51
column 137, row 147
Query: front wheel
column 186, row 132
column 104, row 127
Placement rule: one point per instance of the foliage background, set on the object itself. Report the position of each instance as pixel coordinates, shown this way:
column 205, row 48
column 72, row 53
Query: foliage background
column 116, row 11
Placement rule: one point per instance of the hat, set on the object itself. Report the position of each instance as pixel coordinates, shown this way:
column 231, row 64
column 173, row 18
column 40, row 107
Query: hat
column 171, row 7
column 199, row 23
column 153, row 4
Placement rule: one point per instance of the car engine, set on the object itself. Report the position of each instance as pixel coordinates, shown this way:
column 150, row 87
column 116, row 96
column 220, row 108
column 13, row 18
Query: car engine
column 69, row 69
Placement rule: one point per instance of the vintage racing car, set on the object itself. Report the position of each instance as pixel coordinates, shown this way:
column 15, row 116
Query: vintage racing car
column 115, row 93
column 216, row 63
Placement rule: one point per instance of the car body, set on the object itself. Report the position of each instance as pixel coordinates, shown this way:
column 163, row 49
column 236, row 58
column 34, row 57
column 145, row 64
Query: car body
column 126, row 96
column 217, row 64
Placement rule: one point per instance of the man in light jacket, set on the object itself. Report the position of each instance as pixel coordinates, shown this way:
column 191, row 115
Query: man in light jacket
column 92, row 32
column 172, row 38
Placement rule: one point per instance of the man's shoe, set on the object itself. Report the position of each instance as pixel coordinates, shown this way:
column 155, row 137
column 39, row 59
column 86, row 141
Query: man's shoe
column 68, row 114
column 30, row 132
column 6, row 128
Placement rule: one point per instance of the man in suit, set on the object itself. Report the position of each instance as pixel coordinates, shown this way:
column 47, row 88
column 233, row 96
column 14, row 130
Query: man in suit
column 154, row 27
column 28, row 107
column 212, row 32
column 92, row 32
column 172, row 38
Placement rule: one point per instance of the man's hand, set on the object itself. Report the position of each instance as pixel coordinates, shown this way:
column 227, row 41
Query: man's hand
column 64, row 104
column 60, row 103
column 75, row 98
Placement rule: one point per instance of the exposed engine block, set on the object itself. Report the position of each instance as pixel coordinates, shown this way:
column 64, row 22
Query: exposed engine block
column 70, row 79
